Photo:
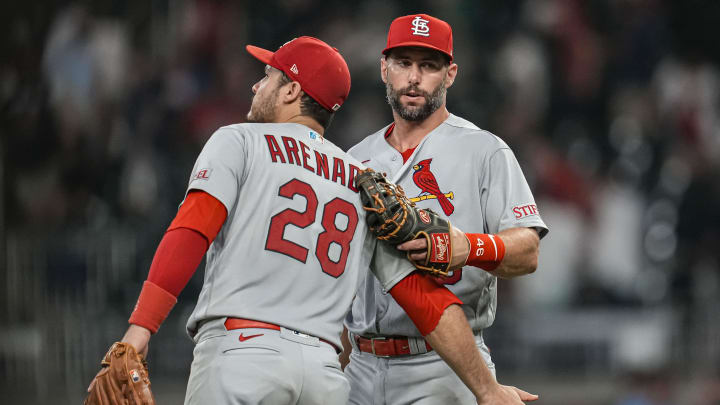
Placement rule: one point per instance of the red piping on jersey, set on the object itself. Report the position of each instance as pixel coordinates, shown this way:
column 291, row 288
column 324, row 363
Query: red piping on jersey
column 389, row 130
column 405, row 155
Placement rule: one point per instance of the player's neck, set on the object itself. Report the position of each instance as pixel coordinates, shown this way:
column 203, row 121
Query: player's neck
column 408, row 134
column 307, row 121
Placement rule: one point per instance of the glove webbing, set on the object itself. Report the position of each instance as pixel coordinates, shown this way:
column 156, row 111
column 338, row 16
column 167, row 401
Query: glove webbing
column 399, row 194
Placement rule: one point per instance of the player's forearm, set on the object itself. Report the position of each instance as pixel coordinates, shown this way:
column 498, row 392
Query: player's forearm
column 453, row 340
column 522, row 246
column 344, row 356
column 138, row 337
column 179, row 253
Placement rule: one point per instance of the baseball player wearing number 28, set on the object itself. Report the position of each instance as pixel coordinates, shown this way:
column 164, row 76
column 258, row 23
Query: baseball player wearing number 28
column 446, row 164
column 275, row 207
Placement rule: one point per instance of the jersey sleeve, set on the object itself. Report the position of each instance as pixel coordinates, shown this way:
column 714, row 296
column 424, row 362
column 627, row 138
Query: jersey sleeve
column 353, row 151
column 506, row 196
column 389, row 265
column 220, row 168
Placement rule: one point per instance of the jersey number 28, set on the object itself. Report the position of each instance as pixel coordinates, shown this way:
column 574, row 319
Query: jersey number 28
column 331, row 234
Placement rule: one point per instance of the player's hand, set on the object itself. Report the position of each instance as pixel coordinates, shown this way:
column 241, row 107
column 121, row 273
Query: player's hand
column 506, row 395
column 344, row 359
column 460, row 248
column 139, row 338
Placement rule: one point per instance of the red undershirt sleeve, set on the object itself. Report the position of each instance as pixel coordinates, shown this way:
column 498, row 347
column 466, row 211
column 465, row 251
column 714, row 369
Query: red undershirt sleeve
column 177, row 257
column 201, row 212
column 424, row 300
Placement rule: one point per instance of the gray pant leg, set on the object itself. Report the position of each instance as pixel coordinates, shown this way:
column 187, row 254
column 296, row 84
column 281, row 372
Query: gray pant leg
column 424, row 380
column 419, row 379
column 366, row 374
column 201, row 371
column 264, row 370
column 267, row 369
column 324, row 382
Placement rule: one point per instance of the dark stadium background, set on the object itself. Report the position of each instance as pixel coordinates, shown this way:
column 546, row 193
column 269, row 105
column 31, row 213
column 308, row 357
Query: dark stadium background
column 612, row 107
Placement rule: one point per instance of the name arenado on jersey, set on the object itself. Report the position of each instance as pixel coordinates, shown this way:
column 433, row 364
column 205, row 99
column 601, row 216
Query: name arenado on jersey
column 290, row 153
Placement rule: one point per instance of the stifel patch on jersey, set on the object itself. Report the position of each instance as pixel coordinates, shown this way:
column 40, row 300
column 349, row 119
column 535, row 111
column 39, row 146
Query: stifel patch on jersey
column 522, row 211
column 441, row 241
column 203, row 174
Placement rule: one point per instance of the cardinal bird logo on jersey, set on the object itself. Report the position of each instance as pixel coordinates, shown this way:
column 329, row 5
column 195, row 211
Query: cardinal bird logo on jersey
column 425, row 180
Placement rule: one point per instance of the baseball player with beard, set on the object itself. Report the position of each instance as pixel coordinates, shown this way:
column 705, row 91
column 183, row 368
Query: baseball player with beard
column 447, row 164
column 275, row 206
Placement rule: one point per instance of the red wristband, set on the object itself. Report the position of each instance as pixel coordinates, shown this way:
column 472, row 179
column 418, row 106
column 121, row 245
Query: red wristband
column 486, row 251
column 152, row 307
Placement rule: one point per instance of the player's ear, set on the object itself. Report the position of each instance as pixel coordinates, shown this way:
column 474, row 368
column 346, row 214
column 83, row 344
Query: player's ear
column 291, row 92
column 383, row 68
column 450, row 75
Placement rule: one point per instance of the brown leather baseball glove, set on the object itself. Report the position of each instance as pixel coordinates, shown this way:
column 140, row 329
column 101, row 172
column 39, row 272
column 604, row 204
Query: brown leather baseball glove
column 123, row 379
column 393, row 218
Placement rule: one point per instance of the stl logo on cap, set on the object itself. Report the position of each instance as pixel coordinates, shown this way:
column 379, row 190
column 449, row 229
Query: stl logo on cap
column 420, row 27
column 414, row 30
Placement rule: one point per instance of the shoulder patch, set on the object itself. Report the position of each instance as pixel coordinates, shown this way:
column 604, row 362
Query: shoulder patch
column 202, row 174
column 525, row 210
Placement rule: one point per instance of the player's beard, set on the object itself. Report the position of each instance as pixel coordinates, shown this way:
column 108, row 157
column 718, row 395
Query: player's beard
column 264, row 109
column 433, row 101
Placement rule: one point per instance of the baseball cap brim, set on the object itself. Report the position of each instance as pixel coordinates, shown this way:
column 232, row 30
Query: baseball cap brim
column 263, row 55
column 419, row 45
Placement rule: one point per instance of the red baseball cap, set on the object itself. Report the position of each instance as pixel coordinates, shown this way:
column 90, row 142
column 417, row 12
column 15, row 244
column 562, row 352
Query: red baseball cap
column 420, row 30
column 318, row 67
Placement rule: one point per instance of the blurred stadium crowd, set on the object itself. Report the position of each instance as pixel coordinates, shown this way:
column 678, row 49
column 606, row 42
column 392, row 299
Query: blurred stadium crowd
column 612, row 107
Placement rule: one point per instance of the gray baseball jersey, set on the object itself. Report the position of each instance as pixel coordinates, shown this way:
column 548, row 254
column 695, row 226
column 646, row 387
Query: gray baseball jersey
column 294, row 247
column 471, row 177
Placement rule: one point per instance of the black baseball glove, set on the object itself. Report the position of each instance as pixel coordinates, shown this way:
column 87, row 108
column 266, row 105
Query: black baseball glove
column 393, row 218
